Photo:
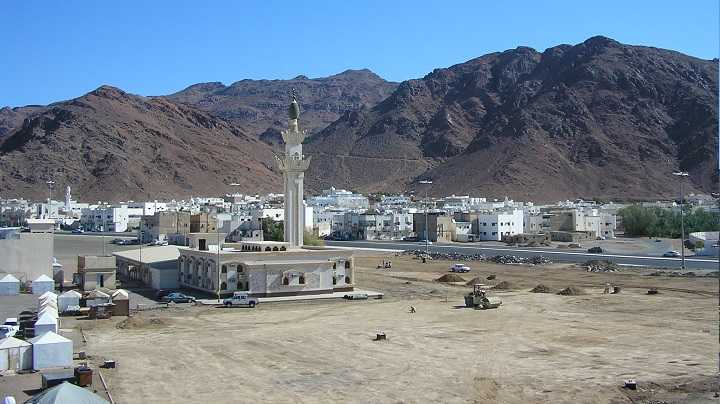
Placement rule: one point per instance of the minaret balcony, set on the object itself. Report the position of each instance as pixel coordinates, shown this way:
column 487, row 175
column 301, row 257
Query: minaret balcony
column 292, row 162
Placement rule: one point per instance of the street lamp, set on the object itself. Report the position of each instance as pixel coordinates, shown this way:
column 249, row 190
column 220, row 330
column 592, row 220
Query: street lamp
column 427, row 237
column 682, row 174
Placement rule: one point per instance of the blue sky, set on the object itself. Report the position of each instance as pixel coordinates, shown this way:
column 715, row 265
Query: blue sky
column 55, row 50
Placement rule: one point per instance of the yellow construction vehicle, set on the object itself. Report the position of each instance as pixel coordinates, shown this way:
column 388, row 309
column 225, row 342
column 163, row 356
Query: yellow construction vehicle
column 479, row 300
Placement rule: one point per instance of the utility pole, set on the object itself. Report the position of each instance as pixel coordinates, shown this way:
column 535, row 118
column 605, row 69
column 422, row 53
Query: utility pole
column 427, row 202
column 682, row 175
column 50, row 186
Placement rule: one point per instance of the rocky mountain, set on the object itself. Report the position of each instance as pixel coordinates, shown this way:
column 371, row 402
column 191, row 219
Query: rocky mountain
column 11, row 118
column 598, row 119
column 113, row 146
column 260, row 106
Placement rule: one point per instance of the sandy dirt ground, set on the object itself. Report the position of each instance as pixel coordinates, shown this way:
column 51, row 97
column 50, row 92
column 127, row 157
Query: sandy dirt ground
column 535, row 348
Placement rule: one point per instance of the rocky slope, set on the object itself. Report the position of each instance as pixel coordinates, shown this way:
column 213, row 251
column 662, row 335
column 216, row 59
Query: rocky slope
column 598, row 119
column 111, row 145
column 11, row 118
column 260, row 106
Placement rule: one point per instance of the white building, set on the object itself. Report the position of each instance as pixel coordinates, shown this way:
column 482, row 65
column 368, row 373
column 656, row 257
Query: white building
column 339, row 198
column 496, row 225
column 105, row 218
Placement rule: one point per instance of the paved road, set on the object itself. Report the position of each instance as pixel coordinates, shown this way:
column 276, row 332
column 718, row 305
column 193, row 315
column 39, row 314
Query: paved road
column 694, row 263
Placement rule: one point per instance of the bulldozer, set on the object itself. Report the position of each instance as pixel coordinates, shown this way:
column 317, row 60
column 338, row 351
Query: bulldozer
column 479, row 300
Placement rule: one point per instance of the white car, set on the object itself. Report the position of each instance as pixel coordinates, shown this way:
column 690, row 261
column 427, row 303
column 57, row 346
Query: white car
column 671, row 254
column 241, row 299
column 9, row 328
column 460, row 268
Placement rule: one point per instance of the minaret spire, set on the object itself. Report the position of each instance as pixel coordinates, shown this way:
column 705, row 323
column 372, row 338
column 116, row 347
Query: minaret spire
column 293, row 164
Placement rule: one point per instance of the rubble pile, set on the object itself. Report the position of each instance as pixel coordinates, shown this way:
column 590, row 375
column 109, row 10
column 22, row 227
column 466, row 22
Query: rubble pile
column 571, row 291
column 514, row 259
column 601, row 266
column 498, row 259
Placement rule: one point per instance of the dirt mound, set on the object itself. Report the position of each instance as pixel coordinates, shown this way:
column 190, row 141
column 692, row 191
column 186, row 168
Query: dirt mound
column 475, row 280
column 571, row 291
column 541, row 289
column 142, row 322
column 504, row 285
column 450, row 278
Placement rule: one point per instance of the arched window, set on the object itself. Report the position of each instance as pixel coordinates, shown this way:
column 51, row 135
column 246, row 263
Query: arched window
column 347, row 279
column 302, row 279
column 223, row 286
column 224, row 269
column 286, row 281
column 282, row 248
column 275, row 248
column 347, row 264
column 268, row 249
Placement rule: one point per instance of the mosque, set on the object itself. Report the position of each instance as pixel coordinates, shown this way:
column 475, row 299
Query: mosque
column 270, row 268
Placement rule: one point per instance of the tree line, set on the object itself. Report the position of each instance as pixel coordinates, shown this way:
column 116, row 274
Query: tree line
column 657, row 222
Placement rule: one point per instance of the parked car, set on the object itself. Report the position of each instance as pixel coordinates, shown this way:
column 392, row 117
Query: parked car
column 241, row 299
column 409, row 238
column 595, row 250
column 78, row 231
column 159, row 242
column 575, row 245
column 9, row 328
column 671, row 254
column 356, row 296
column 162, row 293
column 460, row 268
column 177, row 297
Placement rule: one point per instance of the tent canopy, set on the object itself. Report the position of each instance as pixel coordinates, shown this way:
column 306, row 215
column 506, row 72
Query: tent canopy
column 46, row 318
column 48, row 338
column 9, row 279
column 67, row 393
column 120, row 294
column 12, row 342
column 95, row 294
column 47, row 295
column 44, row 278
column 72, row 293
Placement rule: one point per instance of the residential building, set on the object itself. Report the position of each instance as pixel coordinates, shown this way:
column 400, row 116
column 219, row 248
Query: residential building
column 105, row 218
column 497, row 225
column 440, row 226
column 96, row 272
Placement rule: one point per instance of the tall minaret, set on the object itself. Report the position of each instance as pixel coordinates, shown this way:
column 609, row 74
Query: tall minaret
column 68, row 198
column 293, row 164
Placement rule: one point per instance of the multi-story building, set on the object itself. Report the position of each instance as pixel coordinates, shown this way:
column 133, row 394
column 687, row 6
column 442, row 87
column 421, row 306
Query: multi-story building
column 440, row 227
column 339, row 198
column 105, row 218
column 497, row 225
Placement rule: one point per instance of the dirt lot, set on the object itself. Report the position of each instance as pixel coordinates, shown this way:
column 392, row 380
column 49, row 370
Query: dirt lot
column 535, row 348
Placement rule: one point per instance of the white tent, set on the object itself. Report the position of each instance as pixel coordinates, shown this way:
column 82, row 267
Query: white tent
column 67, row 393
column 97, row 297
column 51, row 350
column 42, row 284
column 9, row 286
column 50, row 311
column 46, row 322
column 15, row 354
column 47, row 303
column 69, row 298
column 47, row 296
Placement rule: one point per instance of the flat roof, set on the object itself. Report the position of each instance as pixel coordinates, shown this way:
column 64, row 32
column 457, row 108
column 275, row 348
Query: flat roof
column 287, row 261
column 150, row 255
